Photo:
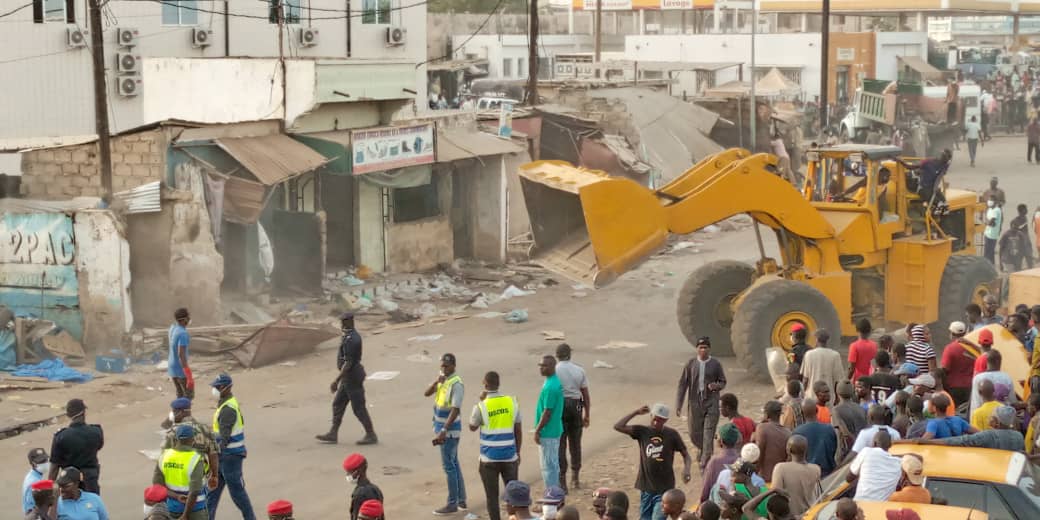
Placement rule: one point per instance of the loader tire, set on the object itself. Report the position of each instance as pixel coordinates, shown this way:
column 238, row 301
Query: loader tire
column 966, row 279
column 703, row 308
column 766, row 314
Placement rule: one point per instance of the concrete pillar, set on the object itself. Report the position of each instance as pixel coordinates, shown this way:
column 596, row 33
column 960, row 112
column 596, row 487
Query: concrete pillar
column 805, row 22
column 717, row 17
column 920, row 23
column 570, row 16
column 617, row 23
column 641, row 20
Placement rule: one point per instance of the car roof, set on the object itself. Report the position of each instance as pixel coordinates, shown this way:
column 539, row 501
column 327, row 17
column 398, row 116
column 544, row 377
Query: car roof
column 871, row 151
column 876, row 511
column 979, row 464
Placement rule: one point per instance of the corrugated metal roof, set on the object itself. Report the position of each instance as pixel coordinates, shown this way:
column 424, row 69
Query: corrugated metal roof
column 142, row 199
column 209, row 133
column 454, row 144
column 272, row 159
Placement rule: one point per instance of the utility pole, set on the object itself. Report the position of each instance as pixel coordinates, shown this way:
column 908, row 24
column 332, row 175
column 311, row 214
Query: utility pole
column 754, row 106
column 97, row 51
column 825, row 44
column 599, row 34
column 532, row 55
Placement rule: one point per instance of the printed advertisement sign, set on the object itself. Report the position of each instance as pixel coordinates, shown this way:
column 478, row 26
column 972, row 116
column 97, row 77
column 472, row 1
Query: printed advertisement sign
column 392, row 147
column 676, row 4
column 608, row 5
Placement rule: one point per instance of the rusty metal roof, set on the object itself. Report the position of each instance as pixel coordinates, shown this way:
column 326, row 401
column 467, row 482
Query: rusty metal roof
column 454, row 144
column 272, row 159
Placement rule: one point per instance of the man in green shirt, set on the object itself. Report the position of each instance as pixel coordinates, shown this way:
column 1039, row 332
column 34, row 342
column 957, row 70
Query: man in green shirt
column 550, row 422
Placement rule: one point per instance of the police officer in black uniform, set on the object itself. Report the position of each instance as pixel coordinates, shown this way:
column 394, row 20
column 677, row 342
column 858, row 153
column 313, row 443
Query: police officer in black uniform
column 77, row 446
column 349, row 385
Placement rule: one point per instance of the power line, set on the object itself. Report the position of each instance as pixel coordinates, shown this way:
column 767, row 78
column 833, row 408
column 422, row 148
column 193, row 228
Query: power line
column 15, row 10
column 470, row 37
column 75, row 49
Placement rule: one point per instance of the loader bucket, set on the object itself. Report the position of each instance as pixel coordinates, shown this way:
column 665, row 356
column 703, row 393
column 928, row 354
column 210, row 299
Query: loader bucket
column 589, row 226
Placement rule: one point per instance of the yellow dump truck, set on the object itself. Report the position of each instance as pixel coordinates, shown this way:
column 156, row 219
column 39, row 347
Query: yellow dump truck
column 857, row 242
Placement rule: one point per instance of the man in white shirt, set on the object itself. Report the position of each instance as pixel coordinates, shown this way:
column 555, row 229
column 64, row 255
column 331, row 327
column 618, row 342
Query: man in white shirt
column 994, row 219
column 875, row 471
column 972, row 129
column 867, row 436
column 576, row 406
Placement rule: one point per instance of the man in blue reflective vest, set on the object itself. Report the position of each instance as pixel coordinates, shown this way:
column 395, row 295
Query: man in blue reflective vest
column 498, row 418
column 448, row 392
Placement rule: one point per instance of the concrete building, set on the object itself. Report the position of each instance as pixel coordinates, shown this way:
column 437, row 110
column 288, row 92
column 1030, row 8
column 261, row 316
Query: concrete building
column 507, row 54
column 796, row 56
column 48, row 97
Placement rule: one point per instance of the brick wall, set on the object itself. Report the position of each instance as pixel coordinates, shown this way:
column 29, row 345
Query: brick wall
column 72, row 171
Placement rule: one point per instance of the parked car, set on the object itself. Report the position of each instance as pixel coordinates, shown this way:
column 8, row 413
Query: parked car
column 877, row 511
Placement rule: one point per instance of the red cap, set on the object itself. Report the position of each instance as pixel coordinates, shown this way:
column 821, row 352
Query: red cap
column 42, row 485
column 279, row 507
column 353, row 461
column 371, row 508
column 985, row 337
column 155, row 493
column 797, row 327
column 902, row 514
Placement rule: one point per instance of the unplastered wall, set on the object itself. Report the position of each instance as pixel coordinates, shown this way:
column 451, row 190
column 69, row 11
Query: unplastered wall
column 103, row 271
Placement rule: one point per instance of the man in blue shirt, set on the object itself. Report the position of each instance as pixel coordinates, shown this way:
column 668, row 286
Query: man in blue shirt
column 76, row 504
column 822, row 440
column 943, row 426
column 38, row 462
column 178, row 370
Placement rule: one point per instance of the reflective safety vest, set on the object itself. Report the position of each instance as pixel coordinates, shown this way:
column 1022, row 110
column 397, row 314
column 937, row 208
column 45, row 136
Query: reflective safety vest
column 442, row 406
column 177, row 467
column 236, row 444
column 497, row 439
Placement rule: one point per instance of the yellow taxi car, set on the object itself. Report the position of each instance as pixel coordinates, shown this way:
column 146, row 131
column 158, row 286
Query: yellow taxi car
column 1000, row 483
column 879, row 511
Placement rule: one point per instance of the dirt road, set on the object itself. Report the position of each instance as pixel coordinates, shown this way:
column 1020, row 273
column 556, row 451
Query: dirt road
column 285, row 407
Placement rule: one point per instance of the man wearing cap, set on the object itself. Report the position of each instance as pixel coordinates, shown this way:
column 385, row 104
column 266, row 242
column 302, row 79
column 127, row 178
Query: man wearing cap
column 357, row 472
column 43, row 507
column 182, row 470
column 699, row 385
column 958, row 363
column 155, row 502
column 178, row 369
column 497, row 416
column 203, row 441
column 77, row 446
column 229, row 430
column 38, row 468
column 985, row 346
column 729, row 437
column 75, row 503
column 349, row 385
column 658, row 445
column 549, row 429
column 517, row 497
column 910, row 486
column 371, row 510
column 1001, row 435
column 447, row 391
column 1003, row 385
column 280, row 510
column 821, row 364
column 552, row 501
column 576, row 410
column 799, row 335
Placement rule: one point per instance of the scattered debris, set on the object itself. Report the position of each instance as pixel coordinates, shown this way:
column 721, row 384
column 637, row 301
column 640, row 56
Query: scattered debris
column 512, row 292
column 480, row 302
column 602, row 364
column 553, row 335
column 278, row 341
column 679, row 246
column 150, row 454
column 517, row 316
column 388, row 305
column 620, row 344
column 63, row 345
column 395, row 470
column 712, row 228
column 421, row 357
column 290, row 363
column 248, row 312
column 385, row 375
column 352, row 281
column 491, row 314
column 429, row 337
column 579, row 294
column 580, row 287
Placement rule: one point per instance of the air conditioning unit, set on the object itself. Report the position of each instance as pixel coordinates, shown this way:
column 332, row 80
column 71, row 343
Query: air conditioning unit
column 75, row 37
column 396, row 35
column 129, row 86
column 308, row 37
column 201, row 37
column 126, row 37
column 127, row 63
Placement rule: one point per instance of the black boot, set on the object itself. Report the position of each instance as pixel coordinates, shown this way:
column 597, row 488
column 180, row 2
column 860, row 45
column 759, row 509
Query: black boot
column 369, row 438
column 332, row 437
column 575, row 483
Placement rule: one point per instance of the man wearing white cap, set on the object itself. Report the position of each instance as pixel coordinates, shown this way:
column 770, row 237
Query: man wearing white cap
column 657, row 447
column 910, row 487
column 959, row 365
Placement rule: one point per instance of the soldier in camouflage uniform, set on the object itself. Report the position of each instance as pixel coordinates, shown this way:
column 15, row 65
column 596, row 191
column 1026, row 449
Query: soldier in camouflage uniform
column 204, row 443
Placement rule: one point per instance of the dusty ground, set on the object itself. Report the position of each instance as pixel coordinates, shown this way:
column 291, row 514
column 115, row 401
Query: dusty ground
column 286, row 406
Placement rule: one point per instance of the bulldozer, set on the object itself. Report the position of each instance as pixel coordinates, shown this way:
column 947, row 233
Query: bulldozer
column 857, row 241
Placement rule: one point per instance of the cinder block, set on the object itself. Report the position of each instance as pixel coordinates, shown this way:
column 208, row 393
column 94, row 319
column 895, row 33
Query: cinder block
column 79, row 181
column 140, row 170
column 62, row 156
column 142, row 148
column 80, row 156
column 132, row 158
column 69, row 167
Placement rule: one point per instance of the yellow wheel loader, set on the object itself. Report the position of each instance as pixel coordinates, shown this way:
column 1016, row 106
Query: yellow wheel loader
column 858, row 241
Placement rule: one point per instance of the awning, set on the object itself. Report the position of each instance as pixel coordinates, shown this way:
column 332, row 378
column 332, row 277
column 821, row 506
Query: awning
column 272, row 159
column 918, row 64
column 454, row 144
